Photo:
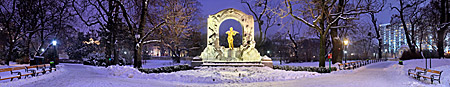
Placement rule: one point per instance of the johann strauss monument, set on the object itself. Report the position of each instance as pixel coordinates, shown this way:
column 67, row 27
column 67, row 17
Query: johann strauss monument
column 246, row 54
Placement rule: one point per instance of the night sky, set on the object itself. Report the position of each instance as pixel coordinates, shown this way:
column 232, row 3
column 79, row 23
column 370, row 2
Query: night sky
column 213, row 6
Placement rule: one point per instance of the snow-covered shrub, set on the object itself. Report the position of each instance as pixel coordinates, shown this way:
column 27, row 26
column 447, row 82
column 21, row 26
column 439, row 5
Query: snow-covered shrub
column 309, row 69
column 167, row 69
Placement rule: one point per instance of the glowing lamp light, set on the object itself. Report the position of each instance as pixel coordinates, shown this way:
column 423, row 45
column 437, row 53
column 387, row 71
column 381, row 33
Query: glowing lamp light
column 54, row 43
column 346, row 42
column 42, row 50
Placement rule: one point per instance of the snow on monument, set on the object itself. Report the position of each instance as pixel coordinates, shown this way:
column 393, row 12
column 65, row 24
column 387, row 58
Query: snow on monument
column 242, row 55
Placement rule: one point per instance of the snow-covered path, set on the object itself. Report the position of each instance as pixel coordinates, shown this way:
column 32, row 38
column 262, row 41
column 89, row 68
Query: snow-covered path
column 373, row 75
column 382, row 74
column 86, row 76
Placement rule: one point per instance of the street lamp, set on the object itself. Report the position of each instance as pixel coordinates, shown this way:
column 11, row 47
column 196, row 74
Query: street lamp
column 56, row 56
column 54, row 42
column 345, row 50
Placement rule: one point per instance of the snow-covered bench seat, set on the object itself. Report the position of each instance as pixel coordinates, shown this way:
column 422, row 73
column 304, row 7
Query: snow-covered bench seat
column 433, row 75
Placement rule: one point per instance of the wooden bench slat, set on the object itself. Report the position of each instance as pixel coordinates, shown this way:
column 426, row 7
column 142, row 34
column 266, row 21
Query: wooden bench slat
column 5, row 69
column 18, row 68
column 10, row 77
column 31, row 66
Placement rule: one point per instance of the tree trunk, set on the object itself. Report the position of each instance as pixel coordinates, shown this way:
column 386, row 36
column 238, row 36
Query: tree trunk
column 114, row 48
column 322, row 53
column 337, row 44
column 412, row 48
column 337, row 47
column 377, row 31
column 28, row 46
column 108, row 45
column 441, row 32
column 295, row 48
column 10, row 53
column 440, row 42
column 138, row 48
column 137, row 56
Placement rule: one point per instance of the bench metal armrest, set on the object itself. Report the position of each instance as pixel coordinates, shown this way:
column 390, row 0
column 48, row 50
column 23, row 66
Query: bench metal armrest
column 18, row 73
column 33, row 71
column 436, row 75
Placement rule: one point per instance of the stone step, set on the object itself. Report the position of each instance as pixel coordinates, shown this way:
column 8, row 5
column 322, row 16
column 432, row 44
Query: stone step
column 233, row 64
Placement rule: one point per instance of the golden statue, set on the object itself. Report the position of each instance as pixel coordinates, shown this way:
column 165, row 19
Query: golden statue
column 230, row 39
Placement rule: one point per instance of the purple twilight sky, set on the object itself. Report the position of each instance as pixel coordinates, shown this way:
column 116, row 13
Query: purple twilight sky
column 214, row 6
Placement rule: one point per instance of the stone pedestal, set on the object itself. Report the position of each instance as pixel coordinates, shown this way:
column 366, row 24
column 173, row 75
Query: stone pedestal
column 196, row 61
column 266, row 61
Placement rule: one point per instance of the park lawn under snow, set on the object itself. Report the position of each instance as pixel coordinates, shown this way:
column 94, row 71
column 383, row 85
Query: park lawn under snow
column 264, row 74
column 214, row 74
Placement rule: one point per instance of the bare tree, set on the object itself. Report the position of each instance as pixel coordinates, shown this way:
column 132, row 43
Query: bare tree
column 323, row 17
column 178, row 15
column 11, row 26
column 377, row 7
column 261, row 10
column 408, row 15
column 34, row 22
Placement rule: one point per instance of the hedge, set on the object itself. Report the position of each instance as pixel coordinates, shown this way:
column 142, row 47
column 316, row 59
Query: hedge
column 309, row 69
column 166, row 69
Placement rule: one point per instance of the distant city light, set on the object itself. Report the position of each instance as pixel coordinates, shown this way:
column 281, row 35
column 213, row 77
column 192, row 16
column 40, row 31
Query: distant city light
column 125, row 52
column 54, row 43
column 268, row 51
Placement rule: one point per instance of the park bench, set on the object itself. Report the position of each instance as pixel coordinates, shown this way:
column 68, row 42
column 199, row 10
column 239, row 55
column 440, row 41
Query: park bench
column 415, row 71
column 42, row 68
column 433, row 76
column 13, row 71
column 341, row 65
column 50, row 68
column 34, row 70
column 421, row 72
column 353, row 65
column 356, row 64
column 348, row 66
column 359, row 63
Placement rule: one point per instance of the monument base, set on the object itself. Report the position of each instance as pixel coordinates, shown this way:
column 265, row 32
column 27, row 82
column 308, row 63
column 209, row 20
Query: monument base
column 239, row 54
column 265, row 62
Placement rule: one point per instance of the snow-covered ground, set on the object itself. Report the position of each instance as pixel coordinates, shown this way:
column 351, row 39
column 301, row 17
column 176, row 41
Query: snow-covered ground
column 382, row 74
column 214, row 75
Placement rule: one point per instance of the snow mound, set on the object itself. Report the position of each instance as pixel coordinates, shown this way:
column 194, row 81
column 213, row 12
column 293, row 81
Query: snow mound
column 214, row 74
column 123, row 71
